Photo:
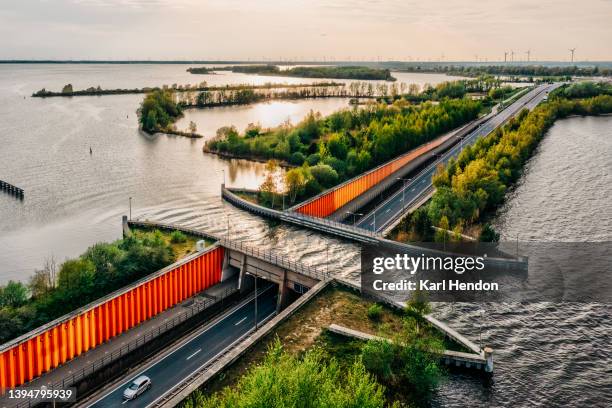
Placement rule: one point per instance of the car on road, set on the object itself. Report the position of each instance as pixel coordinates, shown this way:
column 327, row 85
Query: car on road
column 137, row 387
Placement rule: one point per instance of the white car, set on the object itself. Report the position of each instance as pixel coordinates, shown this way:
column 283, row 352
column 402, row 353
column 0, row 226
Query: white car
column 137, row 387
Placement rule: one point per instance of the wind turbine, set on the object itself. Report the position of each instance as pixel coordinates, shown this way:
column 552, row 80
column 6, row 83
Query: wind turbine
column 572, row 50
column 505, row 56
column 528, row 52
column 512, row 55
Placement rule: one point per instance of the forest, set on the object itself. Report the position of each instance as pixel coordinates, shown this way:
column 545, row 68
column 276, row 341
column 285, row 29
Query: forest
column 510, row 70
column 474, row 185
column 56, row 290
column 335, row 72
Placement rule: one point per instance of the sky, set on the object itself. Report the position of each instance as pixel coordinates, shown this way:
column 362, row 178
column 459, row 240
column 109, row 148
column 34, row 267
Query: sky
column 446, row 30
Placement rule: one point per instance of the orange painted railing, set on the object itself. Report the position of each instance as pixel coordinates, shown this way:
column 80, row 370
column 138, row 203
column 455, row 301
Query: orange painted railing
column 53, row 344
column 330, row 201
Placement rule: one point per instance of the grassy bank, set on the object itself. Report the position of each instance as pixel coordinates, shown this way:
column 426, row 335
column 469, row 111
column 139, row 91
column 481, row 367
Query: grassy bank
column 56, row 290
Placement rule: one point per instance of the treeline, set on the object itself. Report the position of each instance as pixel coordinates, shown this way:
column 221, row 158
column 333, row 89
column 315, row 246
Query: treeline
column 585, row 89
column 336, row 72
column 346, row 143
column 223, row 97
column 476, row 183
column 68, row 90
column 54, row 291
column 511, row 70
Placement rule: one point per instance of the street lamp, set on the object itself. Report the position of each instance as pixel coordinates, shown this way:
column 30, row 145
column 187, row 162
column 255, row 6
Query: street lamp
column 130, row 208
column 355, row 216
column 404, row 180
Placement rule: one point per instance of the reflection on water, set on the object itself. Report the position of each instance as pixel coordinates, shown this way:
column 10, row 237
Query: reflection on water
column 267, row 114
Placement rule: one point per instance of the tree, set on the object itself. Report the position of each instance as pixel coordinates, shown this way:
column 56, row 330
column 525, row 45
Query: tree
column 325, row 175
column 488, row 234
column 67, row 88
column 269, row 188
column 192, row 126
column 14, row 294
column 295, row 183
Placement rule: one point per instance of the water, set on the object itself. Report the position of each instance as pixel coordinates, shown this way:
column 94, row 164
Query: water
column 546, row 355
column 74, row 200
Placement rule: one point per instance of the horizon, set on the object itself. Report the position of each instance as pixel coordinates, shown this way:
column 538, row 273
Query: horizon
column 121, row 30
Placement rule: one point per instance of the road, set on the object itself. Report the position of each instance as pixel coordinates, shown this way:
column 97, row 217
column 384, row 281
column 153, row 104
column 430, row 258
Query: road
column 388, row 211
column 170, row 370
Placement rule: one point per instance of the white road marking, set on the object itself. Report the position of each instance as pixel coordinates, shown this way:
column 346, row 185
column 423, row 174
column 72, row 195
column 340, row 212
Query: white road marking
column 240, row 321
column 124, row 402
column 196, row 352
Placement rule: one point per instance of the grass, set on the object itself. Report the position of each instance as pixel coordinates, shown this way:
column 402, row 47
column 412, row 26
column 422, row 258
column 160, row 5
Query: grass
column 182, row 247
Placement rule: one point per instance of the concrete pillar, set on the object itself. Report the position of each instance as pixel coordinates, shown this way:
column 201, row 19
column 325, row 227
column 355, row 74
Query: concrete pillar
column 244, row 284
column 488, row 354
column 282, row 292
column 126, row 228
column 227, row 271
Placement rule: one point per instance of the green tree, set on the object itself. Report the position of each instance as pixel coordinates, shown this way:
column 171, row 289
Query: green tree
column 14, row 294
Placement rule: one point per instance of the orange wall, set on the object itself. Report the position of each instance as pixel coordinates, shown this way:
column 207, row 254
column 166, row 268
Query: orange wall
column 331, row 201
column 44, row 351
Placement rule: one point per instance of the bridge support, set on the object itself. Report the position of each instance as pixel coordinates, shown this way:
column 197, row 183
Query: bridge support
column 244, row 284
column 488, row 354
column 282, row 293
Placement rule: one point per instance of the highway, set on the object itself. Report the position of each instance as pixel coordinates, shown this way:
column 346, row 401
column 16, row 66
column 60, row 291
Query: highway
column 388, row 211
column 169, row 371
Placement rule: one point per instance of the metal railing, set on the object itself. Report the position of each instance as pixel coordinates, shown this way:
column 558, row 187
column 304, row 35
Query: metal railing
column 275, row 258
column 192, row 310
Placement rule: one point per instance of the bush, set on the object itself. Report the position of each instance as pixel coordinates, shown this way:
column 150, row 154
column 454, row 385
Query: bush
column 283, row 380
column 375, row 311
column 177, row 237
column 297, row 158
column 325, row 175
column 313, row 159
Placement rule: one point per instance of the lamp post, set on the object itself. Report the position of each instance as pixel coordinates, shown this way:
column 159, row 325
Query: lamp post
column 130, row 208
column 404, row 180
column 354, row 216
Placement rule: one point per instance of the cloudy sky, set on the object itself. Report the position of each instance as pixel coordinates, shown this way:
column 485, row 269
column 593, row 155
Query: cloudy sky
column 305, row 29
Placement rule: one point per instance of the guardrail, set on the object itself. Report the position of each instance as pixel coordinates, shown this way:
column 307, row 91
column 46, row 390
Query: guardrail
column 197, row 307
column 320, row 224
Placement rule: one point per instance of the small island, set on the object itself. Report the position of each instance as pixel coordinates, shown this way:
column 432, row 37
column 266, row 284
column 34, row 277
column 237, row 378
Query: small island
column 334, row 72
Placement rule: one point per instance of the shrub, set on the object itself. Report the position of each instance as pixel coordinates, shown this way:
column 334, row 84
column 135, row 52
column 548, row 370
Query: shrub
column 375, row 311
column 177, row 237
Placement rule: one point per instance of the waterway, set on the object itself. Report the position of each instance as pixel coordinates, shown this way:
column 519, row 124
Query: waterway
column 74, row 199
column 545, row 354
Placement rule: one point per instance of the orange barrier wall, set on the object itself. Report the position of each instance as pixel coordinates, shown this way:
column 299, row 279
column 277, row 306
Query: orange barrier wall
column 96, row 323
column 329, row 202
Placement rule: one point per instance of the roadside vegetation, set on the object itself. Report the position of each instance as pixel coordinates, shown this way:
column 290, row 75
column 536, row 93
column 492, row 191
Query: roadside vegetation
column 105, row 267
column 335, row 72
column 471, row 188
column 509, row 70
column 302, row 363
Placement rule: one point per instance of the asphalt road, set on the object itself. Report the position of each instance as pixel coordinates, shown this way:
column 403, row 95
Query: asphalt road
column 385, row 213
column 176, row 366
